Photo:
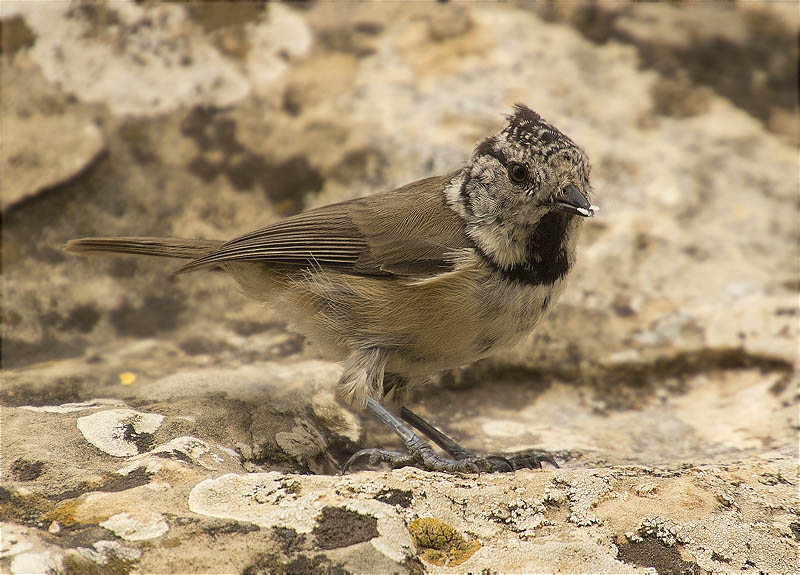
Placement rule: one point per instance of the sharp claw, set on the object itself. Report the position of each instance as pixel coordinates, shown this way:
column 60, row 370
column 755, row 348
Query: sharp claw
column 549, row 460
column 534, row 461
column 353, row 458
column 503, row 459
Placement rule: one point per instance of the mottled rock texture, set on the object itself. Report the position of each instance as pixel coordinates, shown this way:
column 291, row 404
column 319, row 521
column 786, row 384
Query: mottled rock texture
column 162, row 424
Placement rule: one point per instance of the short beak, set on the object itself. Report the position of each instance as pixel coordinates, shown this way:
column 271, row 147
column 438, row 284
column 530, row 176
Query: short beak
column 573, row 201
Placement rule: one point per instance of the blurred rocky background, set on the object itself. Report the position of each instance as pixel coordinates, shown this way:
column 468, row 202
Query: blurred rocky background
column 157, row 424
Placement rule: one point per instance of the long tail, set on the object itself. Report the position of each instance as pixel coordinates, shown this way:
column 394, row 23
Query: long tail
column 163, row 247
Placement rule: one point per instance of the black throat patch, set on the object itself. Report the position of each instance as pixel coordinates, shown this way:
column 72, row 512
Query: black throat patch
column 548, row 256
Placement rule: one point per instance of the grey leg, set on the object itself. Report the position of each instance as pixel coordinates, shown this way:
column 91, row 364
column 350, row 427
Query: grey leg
column 521, row 460
column 421, row 454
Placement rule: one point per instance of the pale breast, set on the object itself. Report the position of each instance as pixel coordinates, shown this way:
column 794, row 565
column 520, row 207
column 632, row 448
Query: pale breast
column 426, row 326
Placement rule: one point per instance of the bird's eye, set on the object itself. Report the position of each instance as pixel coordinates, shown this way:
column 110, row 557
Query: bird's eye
column 517, row 173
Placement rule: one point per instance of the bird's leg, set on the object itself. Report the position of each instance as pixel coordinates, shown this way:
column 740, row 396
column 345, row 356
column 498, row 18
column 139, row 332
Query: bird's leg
column 522, row 460
column 363, row 377
column 421, row 454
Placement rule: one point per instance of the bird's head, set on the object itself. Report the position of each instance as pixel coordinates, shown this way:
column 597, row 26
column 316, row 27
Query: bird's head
column 529, row 167
column 526, row 177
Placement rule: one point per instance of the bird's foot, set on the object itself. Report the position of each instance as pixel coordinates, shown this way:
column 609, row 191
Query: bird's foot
column 420, row 454
column 424, row 457
column 528, row 459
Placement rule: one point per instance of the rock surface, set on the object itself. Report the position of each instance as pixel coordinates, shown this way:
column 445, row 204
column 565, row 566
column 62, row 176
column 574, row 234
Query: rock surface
column 160, row 424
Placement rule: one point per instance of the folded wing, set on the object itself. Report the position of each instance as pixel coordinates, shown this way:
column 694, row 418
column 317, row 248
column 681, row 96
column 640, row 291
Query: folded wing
column 407, row 232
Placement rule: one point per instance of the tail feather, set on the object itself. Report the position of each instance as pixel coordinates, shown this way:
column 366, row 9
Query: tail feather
column 162, row 247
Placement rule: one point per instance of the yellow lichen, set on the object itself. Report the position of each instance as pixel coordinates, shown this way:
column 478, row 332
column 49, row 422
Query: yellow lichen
column 64, row 513
column 69, row 513
column 127, row 378
column 439, row 543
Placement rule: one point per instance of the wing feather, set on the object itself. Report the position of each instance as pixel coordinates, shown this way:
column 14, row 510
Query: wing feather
column 409, row 231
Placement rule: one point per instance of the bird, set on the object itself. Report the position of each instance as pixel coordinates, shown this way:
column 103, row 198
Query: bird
column 408, row 283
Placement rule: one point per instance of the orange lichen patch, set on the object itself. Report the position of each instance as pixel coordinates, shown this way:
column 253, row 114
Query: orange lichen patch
column 73, row 512
column 439, row 543
column 64, row 513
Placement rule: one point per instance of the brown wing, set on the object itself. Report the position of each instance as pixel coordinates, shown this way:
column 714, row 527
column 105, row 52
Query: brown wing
column 408, row 231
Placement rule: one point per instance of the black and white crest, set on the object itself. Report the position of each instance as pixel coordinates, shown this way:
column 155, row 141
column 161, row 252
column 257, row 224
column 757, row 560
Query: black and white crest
column 528, row 136
column 529, row 129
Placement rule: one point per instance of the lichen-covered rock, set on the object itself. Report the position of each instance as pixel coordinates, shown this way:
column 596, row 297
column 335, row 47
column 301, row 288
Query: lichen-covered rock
column 136, row 526
column 120, row 432
column 507, row 523
column 153, row 423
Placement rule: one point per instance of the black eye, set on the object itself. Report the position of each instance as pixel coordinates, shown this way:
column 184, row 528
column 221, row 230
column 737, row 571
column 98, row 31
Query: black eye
column 517, row 173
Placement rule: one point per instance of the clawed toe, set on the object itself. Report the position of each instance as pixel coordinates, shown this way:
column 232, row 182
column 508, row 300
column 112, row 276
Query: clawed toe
column 498, row 464
column 425, row 458
column 377, row 456
column 420, row 454
column 531, row 460
column 547, row 459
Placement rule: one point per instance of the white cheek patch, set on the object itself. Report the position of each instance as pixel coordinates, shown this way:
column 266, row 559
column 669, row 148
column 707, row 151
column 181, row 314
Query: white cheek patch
column 496, row 243
column 452, row 194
